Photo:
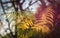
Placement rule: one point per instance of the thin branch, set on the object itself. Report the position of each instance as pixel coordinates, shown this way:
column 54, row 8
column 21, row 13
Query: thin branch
column 23, row 1
column 2, row 6
column 30, row 4
column 43, row 2
column 34, row 2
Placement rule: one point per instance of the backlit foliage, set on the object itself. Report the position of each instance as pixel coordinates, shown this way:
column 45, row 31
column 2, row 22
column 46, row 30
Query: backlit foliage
column 45, row 19
column 30, row 22
column 27, row 24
